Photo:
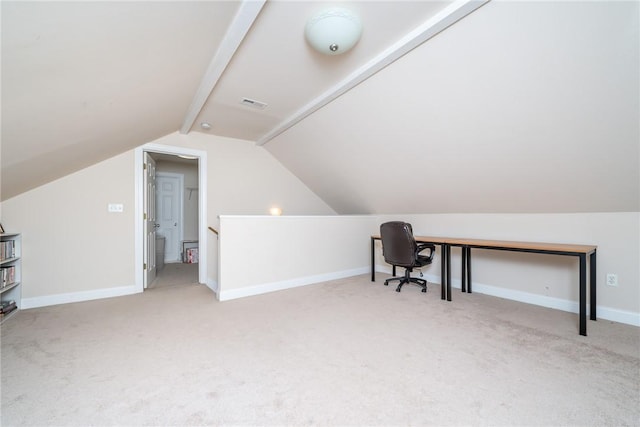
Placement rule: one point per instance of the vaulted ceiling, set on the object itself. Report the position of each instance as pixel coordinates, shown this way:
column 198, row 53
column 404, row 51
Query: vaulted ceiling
column 496, row 107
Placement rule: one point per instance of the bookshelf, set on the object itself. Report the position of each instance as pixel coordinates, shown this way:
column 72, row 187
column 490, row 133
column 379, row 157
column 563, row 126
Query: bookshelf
column 10, row 272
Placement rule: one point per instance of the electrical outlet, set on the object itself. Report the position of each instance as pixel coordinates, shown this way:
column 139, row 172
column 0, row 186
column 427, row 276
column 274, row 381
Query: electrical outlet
column 612, row 279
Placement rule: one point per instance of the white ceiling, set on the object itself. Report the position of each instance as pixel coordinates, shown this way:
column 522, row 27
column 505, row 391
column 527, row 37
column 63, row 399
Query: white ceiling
column 275, row 65
column 520, row 106
column 82, row 81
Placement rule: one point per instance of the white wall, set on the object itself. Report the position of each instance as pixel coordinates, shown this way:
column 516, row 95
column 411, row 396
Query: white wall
column 244, row 179
column 75, row 250
column 260, row 254
column 548, row 280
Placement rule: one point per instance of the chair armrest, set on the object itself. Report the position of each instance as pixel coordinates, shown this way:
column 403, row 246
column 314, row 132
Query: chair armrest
column 425, row 246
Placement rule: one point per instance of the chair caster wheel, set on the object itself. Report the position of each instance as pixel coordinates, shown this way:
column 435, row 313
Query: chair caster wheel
column 386, row 283
column 424, row 290
column 398, row 289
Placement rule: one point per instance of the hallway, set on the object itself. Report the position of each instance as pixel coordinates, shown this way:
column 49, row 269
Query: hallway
column 176, row 273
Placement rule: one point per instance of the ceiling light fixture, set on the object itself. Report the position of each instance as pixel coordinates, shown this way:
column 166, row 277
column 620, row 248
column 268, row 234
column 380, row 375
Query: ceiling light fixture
column 205, row 125
column 333, row 31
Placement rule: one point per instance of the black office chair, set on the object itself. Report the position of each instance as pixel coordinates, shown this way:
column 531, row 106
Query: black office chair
column 399, row 248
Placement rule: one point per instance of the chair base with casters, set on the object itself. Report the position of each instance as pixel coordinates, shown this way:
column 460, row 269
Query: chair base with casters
column 407, row 279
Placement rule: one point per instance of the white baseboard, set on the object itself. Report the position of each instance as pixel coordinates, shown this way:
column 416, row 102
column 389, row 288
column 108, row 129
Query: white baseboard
column 620, row 316
column 288, row 284
column 56, row 299
column 608, row 313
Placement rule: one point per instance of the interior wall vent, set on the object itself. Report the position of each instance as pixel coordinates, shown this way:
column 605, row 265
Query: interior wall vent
column 253, row 103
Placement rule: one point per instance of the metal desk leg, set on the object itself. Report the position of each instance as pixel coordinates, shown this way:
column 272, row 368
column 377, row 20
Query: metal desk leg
column 443, row 267
column 592, row 284
column 373, row 260
column 463, row 279
column 583, row 294
column 448, row 261
column 469, row 270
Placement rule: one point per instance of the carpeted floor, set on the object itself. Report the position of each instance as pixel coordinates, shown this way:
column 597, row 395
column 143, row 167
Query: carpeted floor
column 175, row 273
column 346, row 352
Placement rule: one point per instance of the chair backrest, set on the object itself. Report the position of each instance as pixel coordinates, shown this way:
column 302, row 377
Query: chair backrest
column 398, row 245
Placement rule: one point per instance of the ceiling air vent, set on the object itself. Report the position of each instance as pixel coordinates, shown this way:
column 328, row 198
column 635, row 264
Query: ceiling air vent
column 253, row 103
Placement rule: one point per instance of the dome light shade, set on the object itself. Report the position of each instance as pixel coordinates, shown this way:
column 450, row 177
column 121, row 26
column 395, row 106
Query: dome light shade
column 333, row 31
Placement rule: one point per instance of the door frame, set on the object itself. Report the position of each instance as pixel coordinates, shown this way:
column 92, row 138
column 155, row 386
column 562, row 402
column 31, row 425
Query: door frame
column 180, row 178
column 139, row 240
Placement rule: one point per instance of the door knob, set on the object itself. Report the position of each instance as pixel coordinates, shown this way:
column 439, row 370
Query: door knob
column 156, row 225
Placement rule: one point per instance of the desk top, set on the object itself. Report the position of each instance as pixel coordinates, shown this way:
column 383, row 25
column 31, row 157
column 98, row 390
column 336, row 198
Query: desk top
column 535, row 246
column 506, row 244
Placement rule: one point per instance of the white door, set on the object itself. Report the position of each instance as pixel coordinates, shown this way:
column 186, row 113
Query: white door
column 150, row 219
column 169, row 199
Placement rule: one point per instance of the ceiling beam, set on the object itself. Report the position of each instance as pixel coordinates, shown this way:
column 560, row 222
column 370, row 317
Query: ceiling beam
column 415, row 38
column 242, row 22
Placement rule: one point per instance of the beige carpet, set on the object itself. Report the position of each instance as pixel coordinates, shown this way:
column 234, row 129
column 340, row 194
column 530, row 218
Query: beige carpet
column 347, row 352
column 175, row 273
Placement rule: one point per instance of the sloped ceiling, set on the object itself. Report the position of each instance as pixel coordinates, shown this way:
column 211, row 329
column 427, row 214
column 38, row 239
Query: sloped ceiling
column 83, row 81
column 520, row 107
column 517, row 107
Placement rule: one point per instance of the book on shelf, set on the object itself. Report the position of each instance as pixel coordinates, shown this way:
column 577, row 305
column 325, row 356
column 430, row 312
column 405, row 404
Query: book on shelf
column 6, row 313
column 7, row 276
column 7, row 307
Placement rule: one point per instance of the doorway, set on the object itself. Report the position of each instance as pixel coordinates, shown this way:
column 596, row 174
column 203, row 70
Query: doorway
column 179, row 186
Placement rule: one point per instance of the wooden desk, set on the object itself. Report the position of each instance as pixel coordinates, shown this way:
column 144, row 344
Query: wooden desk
column 580, row 251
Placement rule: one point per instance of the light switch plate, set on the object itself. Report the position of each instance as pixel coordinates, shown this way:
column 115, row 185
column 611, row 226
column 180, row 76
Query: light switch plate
column 115, row 207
